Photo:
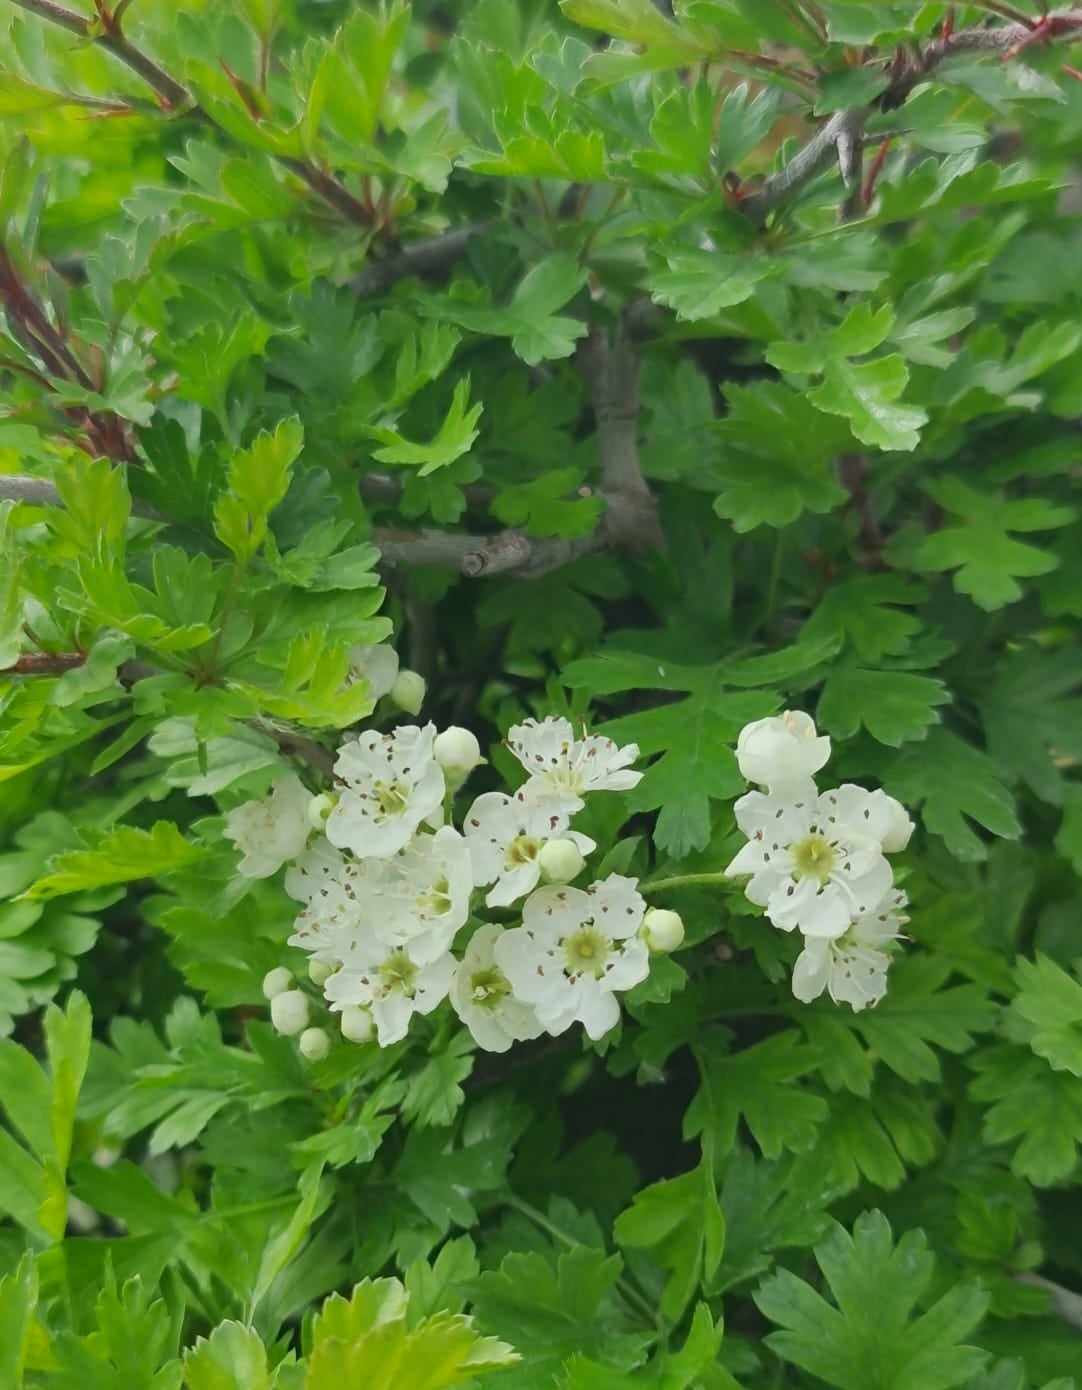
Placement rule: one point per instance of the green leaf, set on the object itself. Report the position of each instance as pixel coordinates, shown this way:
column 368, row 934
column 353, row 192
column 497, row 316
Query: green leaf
column 536, row 331
column 875, row 1343
column 368, row 1341
column 18, row 1301
column 454, row 438
column 11, row 616
column 680, row 1222
column 865, row 611
column 122, row 855
column 547, row 505
column 1028, row 1102
column 1032, row 713
column 778, row 457
column 434, row 1094
column 1049, row 1004
column 232, row 1358
column 988, row 560
column 858, row 86
column 865, row 394
column 758, row 1084
column 951, row 780
column 894, row 706
column 282, row 1247
column 699, row 284
column 258, row 480
column 550, row 1311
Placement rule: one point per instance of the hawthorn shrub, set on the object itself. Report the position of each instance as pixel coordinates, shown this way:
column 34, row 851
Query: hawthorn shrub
column 540, row 695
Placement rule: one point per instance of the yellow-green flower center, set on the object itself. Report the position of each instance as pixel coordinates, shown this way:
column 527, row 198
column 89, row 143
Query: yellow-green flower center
column 398, row 974
column 814, row 858
column 523, row 849
column 586, row 952
column 393, row 797
column 436, row 901
column 488, row 987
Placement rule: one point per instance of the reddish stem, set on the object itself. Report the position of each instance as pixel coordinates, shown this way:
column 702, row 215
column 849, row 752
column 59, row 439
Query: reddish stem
column 45, row 664
column 868, row 191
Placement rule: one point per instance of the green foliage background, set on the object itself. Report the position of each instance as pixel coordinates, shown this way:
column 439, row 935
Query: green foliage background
column 303, row 302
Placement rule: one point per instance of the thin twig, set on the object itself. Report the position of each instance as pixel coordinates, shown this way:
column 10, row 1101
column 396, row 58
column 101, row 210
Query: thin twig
column 36, row 492
column 1065, row 1303
column 45, row 664
column 387, row 489
column 427, row 259
column 817, row 154
column 175, row 97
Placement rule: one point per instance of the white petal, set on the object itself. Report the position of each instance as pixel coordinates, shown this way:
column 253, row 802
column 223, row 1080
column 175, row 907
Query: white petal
column 514, row 884
column 617, row 906
column 859, row 978
column 866, row 884
column 598, row 1012
column 778, row 819
column 376, row 665
column 630, row 966
column 817, row 909
column 811, row 973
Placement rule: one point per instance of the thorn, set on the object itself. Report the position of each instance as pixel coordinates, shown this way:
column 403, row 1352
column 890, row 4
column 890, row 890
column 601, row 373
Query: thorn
column 1045, row 29
column 868, row 191
column 247, row 93
column 946, row 29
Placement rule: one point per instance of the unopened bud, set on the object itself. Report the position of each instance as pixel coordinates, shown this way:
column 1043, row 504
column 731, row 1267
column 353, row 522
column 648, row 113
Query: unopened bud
column 457, row 750
column 320, row 971
column 560, row 861
column 289, row 1012
column 357, row 1024
column 663, row 930
column 408, row 691
column 277, row 981
column 314, row 1044
column 319, row 808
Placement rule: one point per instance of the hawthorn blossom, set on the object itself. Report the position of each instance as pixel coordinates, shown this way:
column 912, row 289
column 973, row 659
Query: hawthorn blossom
column 563, row 768
column 781, row 751
column 391, row 984
column 272, row 831
column 482, row 997
column 811, row 861
column 506, row 835
column 885, row 820
column 852, row 968
column 575, row 948
column 391, row 783
column 417, row 899
column 377, row 666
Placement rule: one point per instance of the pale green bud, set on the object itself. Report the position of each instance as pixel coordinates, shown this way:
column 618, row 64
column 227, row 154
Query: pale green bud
column 319, row 808
column 662, row 929
column 357, row 1024
column 408, row 691
column 277, row 981
column 560, row 861
column 314, row 1044
column 289, row 1012
column 319, row 972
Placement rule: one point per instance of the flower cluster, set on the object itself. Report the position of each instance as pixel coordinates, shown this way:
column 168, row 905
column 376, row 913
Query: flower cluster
column 816, row 860
column 388, row 886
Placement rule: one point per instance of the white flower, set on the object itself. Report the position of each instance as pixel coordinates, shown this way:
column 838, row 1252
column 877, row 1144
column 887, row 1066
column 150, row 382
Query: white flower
column 506, row 835
column 418, row 898
column 389, row 983
column 885, row 820
column 573, row 950
column 482, row 997
column 270, row 832
column 852, row 968
column 782, row 750
column 378, row 666
column 812, row 863
column 391, row 784
column 564, row 768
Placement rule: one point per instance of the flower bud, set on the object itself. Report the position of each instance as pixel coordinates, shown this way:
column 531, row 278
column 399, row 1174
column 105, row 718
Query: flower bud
column 277, row 981
column 289, row 1012
column 457, row 750
column 408, row 691
column 663, row 930
column 560, row 861
column 899, row 827
column 785, row 749
column 319, row 808
column 314, row 1044
column 320, row 971
column 357, row 1024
